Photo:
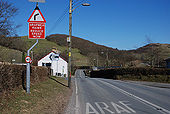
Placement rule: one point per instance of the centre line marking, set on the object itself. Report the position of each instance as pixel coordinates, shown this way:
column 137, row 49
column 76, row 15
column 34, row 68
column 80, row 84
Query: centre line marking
column 140, row 99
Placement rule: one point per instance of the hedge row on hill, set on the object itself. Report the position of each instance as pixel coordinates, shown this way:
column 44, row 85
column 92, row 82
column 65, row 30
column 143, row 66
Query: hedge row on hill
column 147, row 74
column 13, row 76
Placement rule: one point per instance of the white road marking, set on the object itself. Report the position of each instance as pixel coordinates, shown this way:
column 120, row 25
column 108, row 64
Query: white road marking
column 76, row 86
column 90, row 107
column 118, row 108
column 105, row 107
column 77, row 107
column 140, row 99
column 123, row 103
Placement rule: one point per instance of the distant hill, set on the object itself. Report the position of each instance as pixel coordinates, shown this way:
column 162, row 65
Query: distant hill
column 152, row 46
column 83, row 45
column 98, row 54
column 84, row 52
column 151, row 54
column 20, row 45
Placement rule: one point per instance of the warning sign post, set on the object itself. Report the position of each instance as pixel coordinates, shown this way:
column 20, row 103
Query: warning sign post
column 37, row 30
column 36, row 25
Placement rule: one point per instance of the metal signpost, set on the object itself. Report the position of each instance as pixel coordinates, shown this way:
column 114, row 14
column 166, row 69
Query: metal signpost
column 36, row 31
column 28, row 59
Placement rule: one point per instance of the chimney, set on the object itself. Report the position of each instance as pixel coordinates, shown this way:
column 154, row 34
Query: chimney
column 55, row 50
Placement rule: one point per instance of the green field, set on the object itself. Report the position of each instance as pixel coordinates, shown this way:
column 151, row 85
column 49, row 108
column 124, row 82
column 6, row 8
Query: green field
column 45, row 46
column 6, row 54
column 41, row 49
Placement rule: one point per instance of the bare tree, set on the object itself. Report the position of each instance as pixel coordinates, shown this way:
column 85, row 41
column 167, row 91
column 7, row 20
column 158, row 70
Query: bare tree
column 148, row 40
column 7, row 11
column 150, row 55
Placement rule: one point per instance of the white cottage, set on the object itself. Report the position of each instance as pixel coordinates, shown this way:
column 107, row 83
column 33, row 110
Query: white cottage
column 57, row 64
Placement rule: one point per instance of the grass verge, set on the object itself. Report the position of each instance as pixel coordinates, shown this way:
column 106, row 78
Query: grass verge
column 50, row 96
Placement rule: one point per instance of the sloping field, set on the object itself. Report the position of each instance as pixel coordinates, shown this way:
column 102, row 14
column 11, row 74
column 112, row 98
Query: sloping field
column 10, row 50
column 50, row 96
column 8, row 55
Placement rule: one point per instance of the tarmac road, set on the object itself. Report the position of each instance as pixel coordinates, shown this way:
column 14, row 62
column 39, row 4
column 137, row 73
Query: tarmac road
column 105, row 96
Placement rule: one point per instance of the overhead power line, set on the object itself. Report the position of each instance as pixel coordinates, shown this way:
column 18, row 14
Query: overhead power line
column 59, row 20
column 62, row 17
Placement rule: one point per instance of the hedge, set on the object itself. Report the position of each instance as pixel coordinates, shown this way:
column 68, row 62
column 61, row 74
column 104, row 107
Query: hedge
column 14, row 76
column 147, row 74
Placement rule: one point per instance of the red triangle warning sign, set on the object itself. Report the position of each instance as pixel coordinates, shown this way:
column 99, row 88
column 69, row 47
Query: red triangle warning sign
column 37, row 16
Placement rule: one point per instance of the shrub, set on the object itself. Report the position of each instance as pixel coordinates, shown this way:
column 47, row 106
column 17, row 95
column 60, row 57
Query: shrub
column 147, row 74
column 13, row 76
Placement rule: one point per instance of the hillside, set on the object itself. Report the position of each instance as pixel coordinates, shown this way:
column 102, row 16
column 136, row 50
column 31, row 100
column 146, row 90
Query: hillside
column 7, row 55
column 20, row 45
column 98, row 55
column 84, row 52
column 84, row 46
column 153, row 46
column 152, row 54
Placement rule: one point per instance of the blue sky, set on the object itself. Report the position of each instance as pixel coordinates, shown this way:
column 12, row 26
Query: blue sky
column 122, row 24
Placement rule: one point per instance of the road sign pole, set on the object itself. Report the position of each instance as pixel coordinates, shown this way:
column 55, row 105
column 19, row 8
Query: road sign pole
column 28, row 69
column 28, row 78
column 34, row 24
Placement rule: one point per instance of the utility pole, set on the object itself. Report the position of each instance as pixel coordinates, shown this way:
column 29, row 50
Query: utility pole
column 69, row 45
column 69, row 38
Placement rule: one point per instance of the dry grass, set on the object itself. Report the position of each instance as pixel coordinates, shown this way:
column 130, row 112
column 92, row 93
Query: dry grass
column 48, row 97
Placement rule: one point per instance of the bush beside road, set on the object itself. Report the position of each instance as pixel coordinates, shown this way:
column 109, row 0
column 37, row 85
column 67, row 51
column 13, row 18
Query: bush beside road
column 161, row 75
column 14, row 76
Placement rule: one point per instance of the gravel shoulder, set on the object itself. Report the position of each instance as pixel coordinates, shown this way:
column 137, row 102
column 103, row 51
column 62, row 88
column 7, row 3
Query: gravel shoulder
column 72, row 102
